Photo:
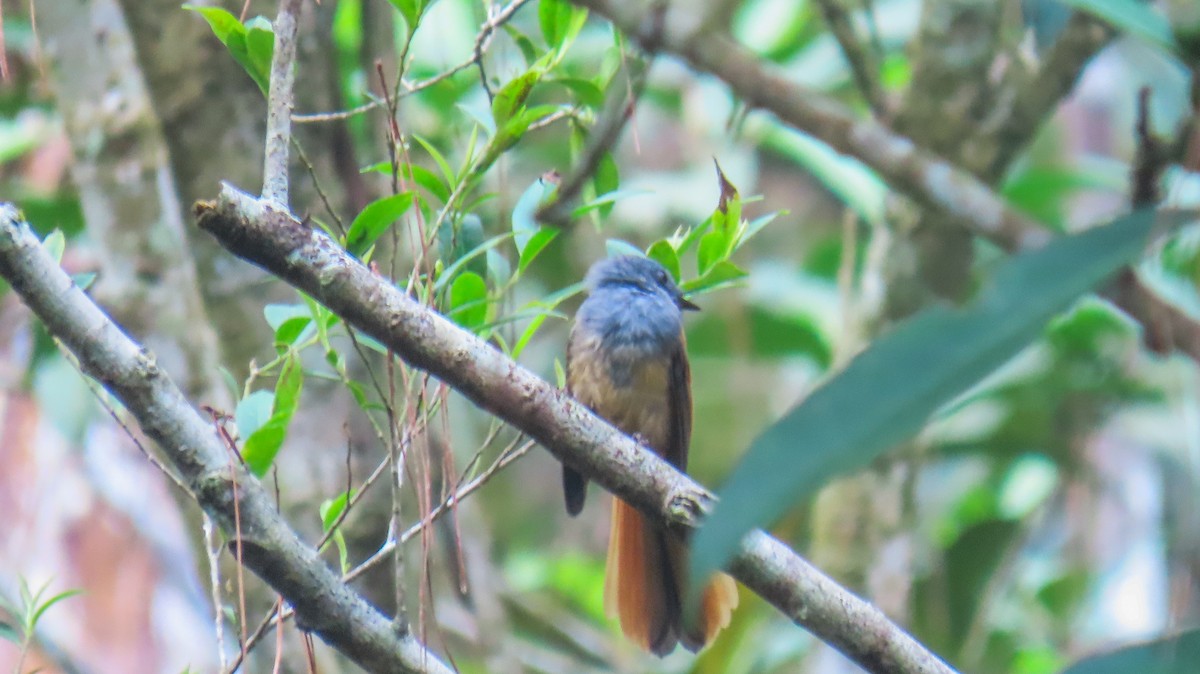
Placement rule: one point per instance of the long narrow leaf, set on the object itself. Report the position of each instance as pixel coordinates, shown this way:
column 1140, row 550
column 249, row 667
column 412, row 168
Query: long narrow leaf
column 1177, row 654
column 886, row 394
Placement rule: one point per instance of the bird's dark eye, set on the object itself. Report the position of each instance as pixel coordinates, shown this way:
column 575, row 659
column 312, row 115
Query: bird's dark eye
column 661, row 276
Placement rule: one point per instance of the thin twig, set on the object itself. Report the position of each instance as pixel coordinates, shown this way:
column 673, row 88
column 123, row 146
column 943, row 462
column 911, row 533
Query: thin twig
column 271, row 619
column 278, row 640
column 464, row 490
column 450, row 501
column 102, row 398
column 279, row 104
column 604, row 135
column 863, row 66
column 482, row 40
column 312, row 173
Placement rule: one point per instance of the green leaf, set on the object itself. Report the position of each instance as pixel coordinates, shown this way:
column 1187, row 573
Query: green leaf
column 295, row 330
column 374, row 220
column 411, row 11
column 443, row 165
column 260, row 449
column 511, row 97
column 1131, row 16
column 586, row 92
column 332, row 509
column 287, row 389
column 45, row 606
column 661, row 251
column 560, row 22
column 536, row 244
column 1175, row 654
column 339, row 539
column 222, row 23
column 234, row 36
column 529, row 236
column 260, row 43
column 553, row 16
column 693, row 234
column 524, row 222
column 278, row 314
column 425, row 178
column 560, row 374
column 887, row 393
column 513, row 130
column 253, row 411
column 463, row 241
column 712, row 250
column 9, row 632
column 756, row 225
column 606, row 180
column 263, row 444
column 451, row 271
column 722, row 274
column 547, row 305
column 415, row 173
column 1042, row 192
column 55, row 243
column 529, row 52
column 468, row 301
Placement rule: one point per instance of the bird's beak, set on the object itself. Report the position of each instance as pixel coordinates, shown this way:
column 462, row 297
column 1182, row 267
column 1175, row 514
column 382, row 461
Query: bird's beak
column 686, row 304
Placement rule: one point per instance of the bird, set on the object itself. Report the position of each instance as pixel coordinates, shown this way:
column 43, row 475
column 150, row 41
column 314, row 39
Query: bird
column 627, row 361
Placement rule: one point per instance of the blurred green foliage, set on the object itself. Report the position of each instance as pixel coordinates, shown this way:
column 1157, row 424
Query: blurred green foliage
column 481, row 151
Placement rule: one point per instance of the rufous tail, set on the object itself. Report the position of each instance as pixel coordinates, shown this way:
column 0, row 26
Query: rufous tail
column 643, row 587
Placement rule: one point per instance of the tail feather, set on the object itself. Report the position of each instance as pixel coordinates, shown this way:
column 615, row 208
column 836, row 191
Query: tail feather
column 574, row 489
column 644, row 589
column 716, row 609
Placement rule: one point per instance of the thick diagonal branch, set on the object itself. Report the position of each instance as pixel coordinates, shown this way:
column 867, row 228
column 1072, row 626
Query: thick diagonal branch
column 276, row 241
column 269, row 547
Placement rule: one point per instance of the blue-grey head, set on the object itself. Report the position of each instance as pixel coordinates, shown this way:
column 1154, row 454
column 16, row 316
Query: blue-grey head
column 633, row 303
column 639, row 276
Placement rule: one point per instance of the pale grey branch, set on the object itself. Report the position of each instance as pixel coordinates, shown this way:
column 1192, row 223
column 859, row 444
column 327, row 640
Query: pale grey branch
column 269, row 547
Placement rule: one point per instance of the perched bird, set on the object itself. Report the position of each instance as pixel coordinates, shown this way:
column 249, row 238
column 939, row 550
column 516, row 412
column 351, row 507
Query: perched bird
column 627, row 361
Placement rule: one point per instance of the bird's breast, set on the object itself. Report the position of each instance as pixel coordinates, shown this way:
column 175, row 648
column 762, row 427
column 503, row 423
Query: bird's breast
column 626, row 386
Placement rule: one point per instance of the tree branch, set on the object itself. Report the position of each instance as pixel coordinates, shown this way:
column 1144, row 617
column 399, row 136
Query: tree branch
column 269, row 547
column 271, row 238
column 279, row 104
column 1080, row 40
column 932, row 182
column 863, row 64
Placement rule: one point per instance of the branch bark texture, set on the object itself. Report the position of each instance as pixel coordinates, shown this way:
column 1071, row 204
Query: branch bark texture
column 260, row 232
column 279, row 103
column 269, row 547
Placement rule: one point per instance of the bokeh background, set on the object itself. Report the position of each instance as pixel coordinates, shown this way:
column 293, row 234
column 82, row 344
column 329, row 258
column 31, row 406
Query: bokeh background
column 1048, row 514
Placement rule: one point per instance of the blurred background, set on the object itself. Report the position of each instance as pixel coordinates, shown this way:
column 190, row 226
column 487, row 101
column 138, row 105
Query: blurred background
column 1048, row 514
